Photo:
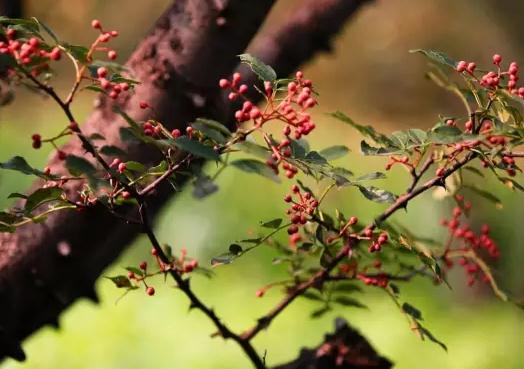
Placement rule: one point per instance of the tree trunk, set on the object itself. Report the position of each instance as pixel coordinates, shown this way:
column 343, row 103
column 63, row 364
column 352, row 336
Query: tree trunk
column 45, row 267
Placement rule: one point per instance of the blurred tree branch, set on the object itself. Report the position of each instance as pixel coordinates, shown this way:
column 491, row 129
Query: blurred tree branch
column 11, row 8
column 344, row 349
column 37, row 281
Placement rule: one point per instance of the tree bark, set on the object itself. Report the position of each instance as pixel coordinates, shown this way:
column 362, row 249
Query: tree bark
column 11, row 8
column 46, row 267
column 344, row 349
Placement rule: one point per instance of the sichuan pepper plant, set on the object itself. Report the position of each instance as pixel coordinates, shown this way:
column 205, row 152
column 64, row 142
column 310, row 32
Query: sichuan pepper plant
column 329, row 255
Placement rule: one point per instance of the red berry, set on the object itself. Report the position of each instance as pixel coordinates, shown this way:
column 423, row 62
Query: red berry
column 242, row 89
column 260, row 292
column 150, row 291
column 55, row 54
column 111, row 54
column 101, row 72
column 122, row 167
column 62, row 155
column 461, row 66
column 130, row 275
column 143, row 265
column 224, row 83
column 497, row 59
column 95, row 23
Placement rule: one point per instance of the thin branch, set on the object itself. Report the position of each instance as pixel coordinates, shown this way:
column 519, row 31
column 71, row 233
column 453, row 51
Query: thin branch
column 196, row 303
column 322, row 275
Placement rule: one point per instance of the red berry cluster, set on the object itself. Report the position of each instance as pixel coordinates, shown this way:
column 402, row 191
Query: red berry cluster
column 104, row 37
column 279, row 153
column 291, row 109
column 469, row 241
column 181, row 264
column 28, row 52
column 303, row 207
column 376, row 244
column 495, row 79
column 114, row 88
column 119, row 165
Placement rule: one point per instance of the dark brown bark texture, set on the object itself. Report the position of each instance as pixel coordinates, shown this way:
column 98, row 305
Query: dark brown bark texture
column 11, row 8
column 46, row 267
column 344, row 349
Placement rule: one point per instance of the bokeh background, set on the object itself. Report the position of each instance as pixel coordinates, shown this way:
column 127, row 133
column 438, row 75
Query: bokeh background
column 372, row 77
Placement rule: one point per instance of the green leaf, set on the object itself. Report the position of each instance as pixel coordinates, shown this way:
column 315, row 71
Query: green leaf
column 334, row 152
column 320, row 312
column 210, row 132
column 485, row 194
column 120, row 281
column 263, row 71
column 437, row 57
column 255, row 166
column 78, row 166
column 445, row 135
column 412, row 311
column 366, row 131
column 377, row 194
column 136, row 271
column 78, row 52
column 312, row 296
column 217, row 126
column 369, row 150
column 135, row 166
column 273, row 224
column 427, row 334
column 299, row 148
column 19, row 164
column 196, row 148
column 371, row 176
column 235, row 251
column 253, row 149
column 349, row 301
column 47, row 29
column 6, row 221
column 41, row 196
column 110, row 150
column 96, row 136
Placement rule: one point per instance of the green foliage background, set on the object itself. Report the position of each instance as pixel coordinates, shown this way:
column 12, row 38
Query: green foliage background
column 374, row 80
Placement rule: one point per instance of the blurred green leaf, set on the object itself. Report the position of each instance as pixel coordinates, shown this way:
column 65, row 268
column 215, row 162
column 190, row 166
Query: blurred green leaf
column 377, row 194
column 263, row 71
column 334, row 152
column 274, row 224
column 196, row 148
column 437, row 57
column 19, row 164
column 255, row 166
column 41, row 196
column 120, row 281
